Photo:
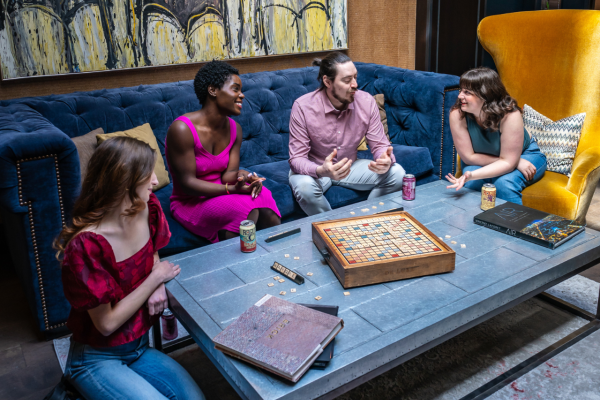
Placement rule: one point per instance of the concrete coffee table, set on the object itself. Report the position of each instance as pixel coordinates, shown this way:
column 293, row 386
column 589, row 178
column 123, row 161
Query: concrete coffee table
column 385, row 324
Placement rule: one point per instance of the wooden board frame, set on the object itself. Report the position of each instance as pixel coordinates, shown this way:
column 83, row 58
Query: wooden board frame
column 368, row 273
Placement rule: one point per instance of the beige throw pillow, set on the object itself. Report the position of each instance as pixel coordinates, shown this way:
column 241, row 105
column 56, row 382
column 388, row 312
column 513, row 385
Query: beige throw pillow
column 86, row 145
column 380, row 100
column 144, row 133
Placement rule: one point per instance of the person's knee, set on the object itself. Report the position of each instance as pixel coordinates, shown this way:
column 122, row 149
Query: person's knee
column 395, row 176
column 507, row 189
column 306, row 190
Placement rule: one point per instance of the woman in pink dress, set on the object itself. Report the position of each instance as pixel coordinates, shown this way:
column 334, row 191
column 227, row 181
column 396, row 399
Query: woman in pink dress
column 211, row 195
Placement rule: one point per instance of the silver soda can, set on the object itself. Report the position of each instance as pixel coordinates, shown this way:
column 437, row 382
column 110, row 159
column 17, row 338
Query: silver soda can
column 409, row 183
column 247, row 236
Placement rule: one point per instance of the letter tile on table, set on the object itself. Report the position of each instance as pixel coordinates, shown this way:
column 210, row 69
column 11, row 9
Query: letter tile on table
column 464, row 220
column 259, row 268
column 409, row 303
column 227, row 306
column 540, row 253
column 321, row 273
column 194, row 263
column 441, row 229
column 487, row 269
column 333, row 293
column 212, row 283
column 435, row 212
column 480, row 241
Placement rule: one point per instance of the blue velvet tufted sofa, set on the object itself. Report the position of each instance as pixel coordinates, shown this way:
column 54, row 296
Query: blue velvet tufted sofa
column 39, row 164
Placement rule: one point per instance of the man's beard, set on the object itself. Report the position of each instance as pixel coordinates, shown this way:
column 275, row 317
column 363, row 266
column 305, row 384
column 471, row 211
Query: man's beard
column 344, row 100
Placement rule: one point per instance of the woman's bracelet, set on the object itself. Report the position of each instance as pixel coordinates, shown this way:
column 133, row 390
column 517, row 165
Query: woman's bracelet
column 226, row 189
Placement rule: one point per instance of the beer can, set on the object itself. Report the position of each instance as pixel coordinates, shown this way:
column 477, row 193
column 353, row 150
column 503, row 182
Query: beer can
column 247, row 236
column 409, row 183
column 488, row 196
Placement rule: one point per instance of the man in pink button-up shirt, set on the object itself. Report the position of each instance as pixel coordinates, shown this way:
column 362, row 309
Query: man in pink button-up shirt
column 326, row 127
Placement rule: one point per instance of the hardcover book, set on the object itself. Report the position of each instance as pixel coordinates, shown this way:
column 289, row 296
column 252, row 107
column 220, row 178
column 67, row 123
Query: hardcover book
column 282, row 337
column 323, row 360
column 536, row 226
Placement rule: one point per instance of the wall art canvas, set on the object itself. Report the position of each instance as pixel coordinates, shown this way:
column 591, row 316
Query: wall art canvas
column 47, row 37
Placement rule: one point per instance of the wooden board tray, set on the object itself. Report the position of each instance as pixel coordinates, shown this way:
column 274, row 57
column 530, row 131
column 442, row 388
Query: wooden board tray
column 375, row 249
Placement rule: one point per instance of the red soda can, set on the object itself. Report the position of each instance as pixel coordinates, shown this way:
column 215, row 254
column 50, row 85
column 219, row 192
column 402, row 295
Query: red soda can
column 409, row 184
column 247, row 236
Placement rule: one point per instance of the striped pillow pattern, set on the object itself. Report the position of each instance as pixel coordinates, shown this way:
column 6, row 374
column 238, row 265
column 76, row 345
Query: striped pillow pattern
column 557, row 140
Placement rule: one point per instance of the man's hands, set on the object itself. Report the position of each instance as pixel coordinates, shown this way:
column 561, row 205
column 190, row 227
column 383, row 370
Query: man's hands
column 526, row 168
column 458, row 183
column 158, row 301
column 337, row 171
column 248, row 183
column 383, row 163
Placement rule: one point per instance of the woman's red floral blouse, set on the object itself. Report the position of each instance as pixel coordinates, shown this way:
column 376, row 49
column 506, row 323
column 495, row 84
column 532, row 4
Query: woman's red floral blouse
column 91, row 276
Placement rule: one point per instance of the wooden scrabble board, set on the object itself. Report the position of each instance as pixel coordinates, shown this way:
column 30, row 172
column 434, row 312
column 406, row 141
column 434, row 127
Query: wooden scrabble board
column 367, row 250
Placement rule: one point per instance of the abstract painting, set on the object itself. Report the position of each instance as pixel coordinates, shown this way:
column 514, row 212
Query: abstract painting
column 47, row 37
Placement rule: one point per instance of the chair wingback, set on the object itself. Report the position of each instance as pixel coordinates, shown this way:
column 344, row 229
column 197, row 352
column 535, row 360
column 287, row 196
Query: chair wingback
column 550, row 60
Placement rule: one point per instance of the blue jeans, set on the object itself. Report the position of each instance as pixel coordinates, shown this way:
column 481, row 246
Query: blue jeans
column 130, row 371
column 509, row 186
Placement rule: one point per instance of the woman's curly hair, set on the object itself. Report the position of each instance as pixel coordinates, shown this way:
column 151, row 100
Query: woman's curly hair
column 485, row 83
column 214, row 73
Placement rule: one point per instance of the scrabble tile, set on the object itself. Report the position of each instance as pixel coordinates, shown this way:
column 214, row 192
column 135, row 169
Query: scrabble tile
column 282, row 293
column 346, row 293
column 309, row 274
column 318, row 298
column 270, row 284
column 293, row 290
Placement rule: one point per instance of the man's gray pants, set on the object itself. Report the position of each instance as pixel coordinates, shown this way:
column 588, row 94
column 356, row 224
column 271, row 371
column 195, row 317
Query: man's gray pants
column 310, row 192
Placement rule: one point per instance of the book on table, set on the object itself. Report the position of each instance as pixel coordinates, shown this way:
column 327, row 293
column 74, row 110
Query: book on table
column 323, row 360
column 526, row 223
column 282, row 337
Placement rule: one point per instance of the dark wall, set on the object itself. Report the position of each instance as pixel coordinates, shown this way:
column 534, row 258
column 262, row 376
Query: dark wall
column 446, row 36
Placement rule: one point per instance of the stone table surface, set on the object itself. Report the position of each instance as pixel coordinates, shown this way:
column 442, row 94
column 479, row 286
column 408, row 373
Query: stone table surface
column 382, row 322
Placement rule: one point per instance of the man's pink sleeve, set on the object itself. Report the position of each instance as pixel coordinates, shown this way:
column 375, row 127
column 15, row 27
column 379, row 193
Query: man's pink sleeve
column 300, row 144
column 378, row 142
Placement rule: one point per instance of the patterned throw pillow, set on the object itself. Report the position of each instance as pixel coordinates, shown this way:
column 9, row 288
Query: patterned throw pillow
column 557, row 140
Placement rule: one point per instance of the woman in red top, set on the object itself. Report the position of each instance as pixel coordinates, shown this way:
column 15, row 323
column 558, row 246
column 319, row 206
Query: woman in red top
column 114, row 280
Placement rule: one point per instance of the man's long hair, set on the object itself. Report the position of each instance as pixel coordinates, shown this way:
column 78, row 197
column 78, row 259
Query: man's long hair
column 328, row 66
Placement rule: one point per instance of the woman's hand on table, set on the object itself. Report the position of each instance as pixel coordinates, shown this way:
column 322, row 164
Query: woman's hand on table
column 166, row 270
column 458, row 183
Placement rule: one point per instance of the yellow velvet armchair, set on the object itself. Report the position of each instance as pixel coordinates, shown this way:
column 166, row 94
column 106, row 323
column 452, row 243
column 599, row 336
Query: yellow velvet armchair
column 550, row 60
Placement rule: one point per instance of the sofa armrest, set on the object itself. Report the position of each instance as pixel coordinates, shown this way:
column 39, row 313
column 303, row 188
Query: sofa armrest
column 39, row 181
column 584, row 179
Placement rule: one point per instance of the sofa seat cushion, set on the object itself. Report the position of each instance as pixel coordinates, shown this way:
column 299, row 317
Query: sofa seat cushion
column 181, row 239
column 277, row 174
column 414, row 160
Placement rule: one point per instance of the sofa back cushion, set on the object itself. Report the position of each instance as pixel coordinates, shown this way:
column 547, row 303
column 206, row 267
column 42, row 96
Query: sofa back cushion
column 413, row 109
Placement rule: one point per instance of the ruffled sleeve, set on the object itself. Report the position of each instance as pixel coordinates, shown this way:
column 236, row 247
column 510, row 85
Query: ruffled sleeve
column 86, row 279
column 159, row 228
